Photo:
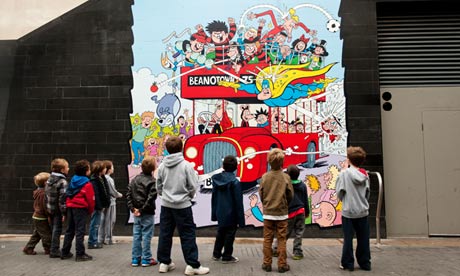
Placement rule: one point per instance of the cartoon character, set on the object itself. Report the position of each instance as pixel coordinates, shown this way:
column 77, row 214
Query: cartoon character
column 290, row 22
column 324, row 214
column 330, row 128
column 318, row 53
column 280, row 92
column 262, row 117
column 220, row 36
column 140, row 131
column 246, row 115
column 183, row 124
column 313, row 186
column 151, row 147
column 331, row 178
column 167, row 109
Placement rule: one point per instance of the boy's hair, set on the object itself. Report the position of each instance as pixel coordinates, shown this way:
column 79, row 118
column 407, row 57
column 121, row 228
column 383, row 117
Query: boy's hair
column 107, row 164
column 174, row 145
column 81, row 167
column 293, row 172
column 58, row 164
column 148, row 165
column 97, row 167
column 356, row 155
column 41, row 178
column 275, row 158
column 230, row 163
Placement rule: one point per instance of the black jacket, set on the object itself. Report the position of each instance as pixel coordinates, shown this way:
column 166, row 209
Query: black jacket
column 300, row 199
column 101, row 192
column 142, row 194
column 227, row 200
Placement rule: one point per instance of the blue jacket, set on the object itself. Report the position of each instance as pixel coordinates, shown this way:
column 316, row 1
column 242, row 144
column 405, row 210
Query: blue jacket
column 227, row 200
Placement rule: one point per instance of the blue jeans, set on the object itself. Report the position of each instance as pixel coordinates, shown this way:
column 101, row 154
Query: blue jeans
column 183, row 219
column 94, row 227
column 56, row 223
column 138, row 150
column 142, row 236
column 363, row 252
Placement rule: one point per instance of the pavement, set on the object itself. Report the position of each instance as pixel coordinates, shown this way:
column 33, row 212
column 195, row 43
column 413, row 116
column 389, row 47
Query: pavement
column 401, row 256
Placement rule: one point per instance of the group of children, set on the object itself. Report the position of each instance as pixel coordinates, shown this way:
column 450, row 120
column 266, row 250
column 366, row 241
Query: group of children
column 283, row 195
column 91, row 192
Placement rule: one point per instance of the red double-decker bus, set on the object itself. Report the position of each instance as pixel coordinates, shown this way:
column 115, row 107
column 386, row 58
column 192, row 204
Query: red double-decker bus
column 250, row 144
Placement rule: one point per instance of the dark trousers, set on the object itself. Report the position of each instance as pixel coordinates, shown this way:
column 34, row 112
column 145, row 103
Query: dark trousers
column 56, row 226
column 363, row 252
column 224, row 240
column 42, row 231
column 183, row 219
column 76, row 218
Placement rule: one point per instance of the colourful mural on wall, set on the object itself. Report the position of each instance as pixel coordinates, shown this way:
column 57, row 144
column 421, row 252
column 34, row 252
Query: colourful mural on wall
column 239, row 78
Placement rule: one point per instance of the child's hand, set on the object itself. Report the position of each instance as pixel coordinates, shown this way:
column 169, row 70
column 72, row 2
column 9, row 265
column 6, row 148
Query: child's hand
column 136, row 212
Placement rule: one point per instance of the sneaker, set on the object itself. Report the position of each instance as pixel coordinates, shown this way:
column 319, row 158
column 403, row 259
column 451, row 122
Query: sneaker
column 47, row 251
column 346, row 268
column 66, row 256
column 215, row 258
column 84, row 257
column 150, row 262
column 366, row 267
column 55, row 255
column 135, row 262
column 29, row 251
column 94, row 246
column 284, row 269
column 166, row 267
column 267, row 267
column 297, row 257
column 196, row 271
column 231, row 260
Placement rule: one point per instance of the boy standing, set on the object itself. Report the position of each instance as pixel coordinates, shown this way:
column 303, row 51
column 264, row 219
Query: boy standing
column 353, row 190
column 298, row 210
column 226, row 209
column 141, row 197
column 80, row 204
column 55, row 202
column 176, row 185
column 275, row 192
column 40, row 218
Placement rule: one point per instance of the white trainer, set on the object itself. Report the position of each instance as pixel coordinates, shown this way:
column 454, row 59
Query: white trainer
column 165, row 267
column 196, row 271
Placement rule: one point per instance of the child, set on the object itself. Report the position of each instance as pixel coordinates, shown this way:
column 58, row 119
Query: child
column 80, row 204
column 298, row 210
column 226, row 209
column 102, row 197
column 109, row 215
column 176, row 184
column 42, row 228
column 353, row 190
column 141, row 197
column 275, row 192
column 55, row 202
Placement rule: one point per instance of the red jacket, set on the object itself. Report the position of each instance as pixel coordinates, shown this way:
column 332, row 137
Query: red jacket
column 84, row 199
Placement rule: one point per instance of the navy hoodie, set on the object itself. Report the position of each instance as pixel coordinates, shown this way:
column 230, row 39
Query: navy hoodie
column 227, row 200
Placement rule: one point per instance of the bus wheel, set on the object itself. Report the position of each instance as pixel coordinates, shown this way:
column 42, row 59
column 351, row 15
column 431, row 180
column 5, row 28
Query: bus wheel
column 311, row 158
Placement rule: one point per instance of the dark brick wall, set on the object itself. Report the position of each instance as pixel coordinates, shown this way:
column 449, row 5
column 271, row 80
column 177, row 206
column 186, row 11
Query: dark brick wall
column 68, row 95
column 65, row 93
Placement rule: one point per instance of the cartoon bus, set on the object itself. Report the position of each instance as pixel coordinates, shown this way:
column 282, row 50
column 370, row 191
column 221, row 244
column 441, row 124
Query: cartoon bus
column 220, row 130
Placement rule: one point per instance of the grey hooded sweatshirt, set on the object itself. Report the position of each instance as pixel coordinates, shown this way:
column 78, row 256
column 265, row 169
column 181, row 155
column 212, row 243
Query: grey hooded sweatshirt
column 353, row 190
column 176, row 181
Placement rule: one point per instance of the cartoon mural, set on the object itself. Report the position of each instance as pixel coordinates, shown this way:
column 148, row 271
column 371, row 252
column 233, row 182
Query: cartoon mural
column 242, row 79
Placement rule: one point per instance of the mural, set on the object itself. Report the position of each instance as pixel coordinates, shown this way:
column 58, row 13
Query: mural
column 241, row 79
